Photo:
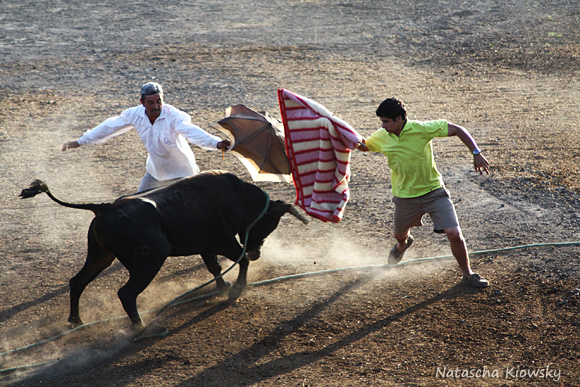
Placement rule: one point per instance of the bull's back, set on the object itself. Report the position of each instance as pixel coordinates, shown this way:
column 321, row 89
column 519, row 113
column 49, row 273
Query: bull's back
column 129, row 224
column 203, row 206
column 198, row 195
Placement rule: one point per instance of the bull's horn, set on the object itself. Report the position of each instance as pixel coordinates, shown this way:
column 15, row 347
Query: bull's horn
column 295, row 212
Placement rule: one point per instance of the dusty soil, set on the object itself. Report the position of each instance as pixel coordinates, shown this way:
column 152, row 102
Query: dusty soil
column 508, row 71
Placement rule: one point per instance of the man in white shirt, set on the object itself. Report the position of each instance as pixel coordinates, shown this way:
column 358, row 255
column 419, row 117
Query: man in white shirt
column 164, row 131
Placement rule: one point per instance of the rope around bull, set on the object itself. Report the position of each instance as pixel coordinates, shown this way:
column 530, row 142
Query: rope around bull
column 175, row 300
column 180, row 300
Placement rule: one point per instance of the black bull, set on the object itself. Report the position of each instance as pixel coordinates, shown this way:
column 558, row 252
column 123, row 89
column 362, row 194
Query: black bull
column 196, row 215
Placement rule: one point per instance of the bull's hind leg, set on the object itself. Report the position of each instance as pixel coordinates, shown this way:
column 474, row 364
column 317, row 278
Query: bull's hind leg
column 98, row 260
column 215, row 268
column 140, row 276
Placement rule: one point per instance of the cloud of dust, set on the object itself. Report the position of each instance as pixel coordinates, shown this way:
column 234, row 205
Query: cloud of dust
column 59, row 360
column 328, row 252
column 160, row 293
column 280, row 256
column 332, row 251
column 59, row 223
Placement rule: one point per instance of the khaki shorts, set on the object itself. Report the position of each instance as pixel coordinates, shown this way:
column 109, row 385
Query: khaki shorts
column 409, row 211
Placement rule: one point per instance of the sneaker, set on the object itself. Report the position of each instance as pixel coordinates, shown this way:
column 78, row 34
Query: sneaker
column 476, row 281
column 396, row 255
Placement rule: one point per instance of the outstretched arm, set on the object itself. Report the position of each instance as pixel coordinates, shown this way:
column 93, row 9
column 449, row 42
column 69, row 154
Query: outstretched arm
column 479, row 161
column 109, row 128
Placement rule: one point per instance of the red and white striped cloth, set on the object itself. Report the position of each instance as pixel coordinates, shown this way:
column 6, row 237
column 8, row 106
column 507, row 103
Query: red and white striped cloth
column 318, row 145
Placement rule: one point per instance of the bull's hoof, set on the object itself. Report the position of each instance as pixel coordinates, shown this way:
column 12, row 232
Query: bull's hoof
column 235, row 291
column 75, row 322
column 224, row 287
column 151, row 331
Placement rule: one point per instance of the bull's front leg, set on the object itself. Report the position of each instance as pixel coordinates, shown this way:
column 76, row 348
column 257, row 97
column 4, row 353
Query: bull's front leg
column 214, row 267
column 230, row 248
column 240, row 284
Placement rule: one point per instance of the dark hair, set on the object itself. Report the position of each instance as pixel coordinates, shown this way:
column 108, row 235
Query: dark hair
column 150, row 89
column 392, row 108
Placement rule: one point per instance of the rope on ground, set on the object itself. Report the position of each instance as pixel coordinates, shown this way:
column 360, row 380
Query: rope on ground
column 180, row 300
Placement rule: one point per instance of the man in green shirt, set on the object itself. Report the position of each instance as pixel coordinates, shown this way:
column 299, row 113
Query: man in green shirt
column 417, row 185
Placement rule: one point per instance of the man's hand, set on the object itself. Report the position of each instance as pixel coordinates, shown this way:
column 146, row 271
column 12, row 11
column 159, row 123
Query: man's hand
column 481, row 164
column 70, row 145
column 224, row 145
column 361, row 146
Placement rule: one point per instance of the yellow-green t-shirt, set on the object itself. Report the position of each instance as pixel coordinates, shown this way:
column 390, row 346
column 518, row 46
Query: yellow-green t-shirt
column 410, row 156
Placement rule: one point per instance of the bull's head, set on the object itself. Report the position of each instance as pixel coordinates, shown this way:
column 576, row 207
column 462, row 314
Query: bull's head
column 267, row 224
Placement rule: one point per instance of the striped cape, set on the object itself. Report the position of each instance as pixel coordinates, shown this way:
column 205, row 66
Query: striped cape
column 318, row 145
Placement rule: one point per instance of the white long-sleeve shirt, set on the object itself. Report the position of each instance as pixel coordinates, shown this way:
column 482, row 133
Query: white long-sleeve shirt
column 170, row 156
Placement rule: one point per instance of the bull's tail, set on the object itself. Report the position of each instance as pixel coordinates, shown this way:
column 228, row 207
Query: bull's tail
column 38, row 186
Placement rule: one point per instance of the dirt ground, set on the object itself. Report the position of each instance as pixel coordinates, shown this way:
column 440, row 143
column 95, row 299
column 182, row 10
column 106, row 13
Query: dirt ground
column 507, row 71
